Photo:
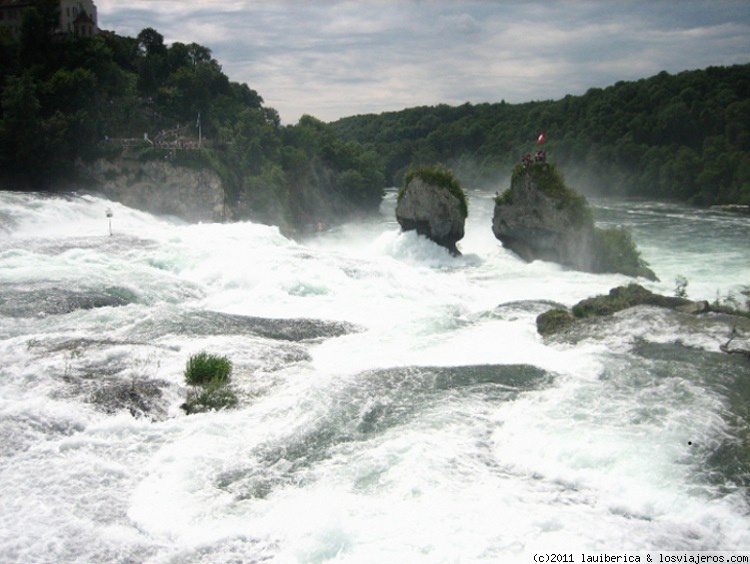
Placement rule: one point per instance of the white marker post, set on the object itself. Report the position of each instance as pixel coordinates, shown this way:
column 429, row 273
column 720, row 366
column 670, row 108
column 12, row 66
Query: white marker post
column 109, row 216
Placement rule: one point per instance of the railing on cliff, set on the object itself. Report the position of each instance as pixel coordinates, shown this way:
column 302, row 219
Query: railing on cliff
column 163, row 140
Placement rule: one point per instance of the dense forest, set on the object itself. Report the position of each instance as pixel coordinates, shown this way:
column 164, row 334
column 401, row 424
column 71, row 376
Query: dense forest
column 683, row 136
column 67, row 100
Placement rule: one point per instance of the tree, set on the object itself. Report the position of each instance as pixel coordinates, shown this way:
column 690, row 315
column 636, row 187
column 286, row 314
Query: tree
column 21, row 134
column 150, row 42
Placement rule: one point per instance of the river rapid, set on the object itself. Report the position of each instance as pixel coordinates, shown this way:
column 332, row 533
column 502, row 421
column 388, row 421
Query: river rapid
column 396, row 403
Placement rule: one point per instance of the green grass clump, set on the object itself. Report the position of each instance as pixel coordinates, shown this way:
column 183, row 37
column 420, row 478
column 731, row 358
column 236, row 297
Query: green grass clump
column 209, row 375
column 438, row 176
column 203, row 369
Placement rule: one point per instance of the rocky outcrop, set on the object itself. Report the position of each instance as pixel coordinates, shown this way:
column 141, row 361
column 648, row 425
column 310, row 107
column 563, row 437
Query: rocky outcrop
column 539, row 218
column 162, row 187
column 584, row 320
column 618, row 299
column 432, row 203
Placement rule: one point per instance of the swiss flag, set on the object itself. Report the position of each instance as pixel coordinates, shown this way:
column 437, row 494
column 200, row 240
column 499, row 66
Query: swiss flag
column 540, row 139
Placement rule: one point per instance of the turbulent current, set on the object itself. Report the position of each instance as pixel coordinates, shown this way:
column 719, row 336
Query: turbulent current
column 396, row 404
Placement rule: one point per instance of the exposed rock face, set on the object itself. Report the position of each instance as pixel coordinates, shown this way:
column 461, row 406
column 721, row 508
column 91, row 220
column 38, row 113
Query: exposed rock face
column 163, row 188
column 539, row 218
column 585, row 318
column 433, row 211
column 539, row 224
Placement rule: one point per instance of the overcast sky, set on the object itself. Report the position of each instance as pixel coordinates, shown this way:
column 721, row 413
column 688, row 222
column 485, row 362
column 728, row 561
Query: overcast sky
column 334, row 59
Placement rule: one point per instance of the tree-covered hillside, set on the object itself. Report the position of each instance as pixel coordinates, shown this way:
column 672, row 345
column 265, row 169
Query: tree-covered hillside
column 69, row 100
column 683, row 136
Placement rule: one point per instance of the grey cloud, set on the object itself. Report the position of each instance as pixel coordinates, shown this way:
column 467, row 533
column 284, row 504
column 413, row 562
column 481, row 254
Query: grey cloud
column 332, row 59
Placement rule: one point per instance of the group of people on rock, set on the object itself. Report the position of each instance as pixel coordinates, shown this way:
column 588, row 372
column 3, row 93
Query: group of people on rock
column 539, row 157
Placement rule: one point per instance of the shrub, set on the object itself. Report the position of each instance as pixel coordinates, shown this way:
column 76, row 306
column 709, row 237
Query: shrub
column 504, row 199
column 203, row 369
column 616, row 251
column 209, row 375
column 681, row 284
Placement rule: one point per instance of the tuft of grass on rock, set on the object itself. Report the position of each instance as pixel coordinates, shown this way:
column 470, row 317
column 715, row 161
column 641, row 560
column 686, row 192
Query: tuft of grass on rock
column 209, row 376
column 203, row 369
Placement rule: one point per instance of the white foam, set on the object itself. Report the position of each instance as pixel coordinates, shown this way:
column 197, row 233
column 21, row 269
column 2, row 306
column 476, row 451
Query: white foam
column 329, row 457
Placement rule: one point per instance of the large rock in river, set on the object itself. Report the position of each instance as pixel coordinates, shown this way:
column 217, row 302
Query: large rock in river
column 539, row 218
column 433, row 203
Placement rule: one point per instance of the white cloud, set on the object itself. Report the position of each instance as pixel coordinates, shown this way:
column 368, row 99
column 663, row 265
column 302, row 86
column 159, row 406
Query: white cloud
column 337, row 58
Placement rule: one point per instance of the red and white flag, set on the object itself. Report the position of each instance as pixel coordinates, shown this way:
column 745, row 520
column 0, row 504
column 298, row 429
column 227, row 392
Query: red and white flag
column 540, row 139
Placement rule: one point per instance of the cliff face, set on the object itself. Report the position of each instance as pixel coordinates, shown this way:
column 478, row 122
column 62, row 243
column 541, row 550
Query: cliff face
column 163, row 188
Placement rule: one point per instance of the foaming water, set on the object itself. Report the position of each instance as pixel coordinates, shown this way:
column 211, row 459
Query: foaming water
column 396, row 403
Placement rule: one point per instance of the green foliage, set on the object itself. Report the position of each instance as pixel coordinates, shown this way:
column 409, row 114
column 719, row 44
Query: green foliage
column 212, row 397
column 549, row 180
column 61, row 98
column 209, row 375
column 681, row 284
column 621, row 298
column 438, row 176
column 615, row 251
column 683, row 136
column 553, row 321
column 504, row 199
column 327, row 176
column 204, row 369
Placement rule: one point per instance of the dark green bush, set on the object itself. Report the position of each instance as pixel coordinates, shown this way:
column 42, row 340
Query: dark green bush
column 616, row 251
column 504, row 199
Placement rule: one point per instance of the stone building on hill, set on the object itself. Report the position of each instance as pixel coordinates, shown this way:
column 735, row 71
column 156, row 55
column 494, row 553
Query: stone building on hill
column 77, row 17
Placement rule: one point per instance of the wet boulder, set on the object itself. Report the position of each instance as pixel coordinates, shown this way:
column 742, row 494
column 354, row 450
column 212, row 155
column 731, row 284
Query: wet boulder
column 618, row 299
column 433, row 203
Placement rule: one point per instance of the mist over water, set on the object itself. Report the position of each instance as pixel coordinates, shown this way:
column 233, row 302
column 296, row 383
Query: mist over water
column 396, row 403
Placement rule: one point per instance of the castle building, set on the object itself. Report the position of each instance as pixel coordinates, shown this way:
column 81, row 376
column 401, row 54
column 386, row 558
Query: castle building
column 77, row 17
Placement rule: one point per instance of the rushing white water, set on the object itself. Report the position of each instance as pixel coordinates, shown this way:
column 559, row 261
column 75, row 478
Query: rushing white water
column 418, row 418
